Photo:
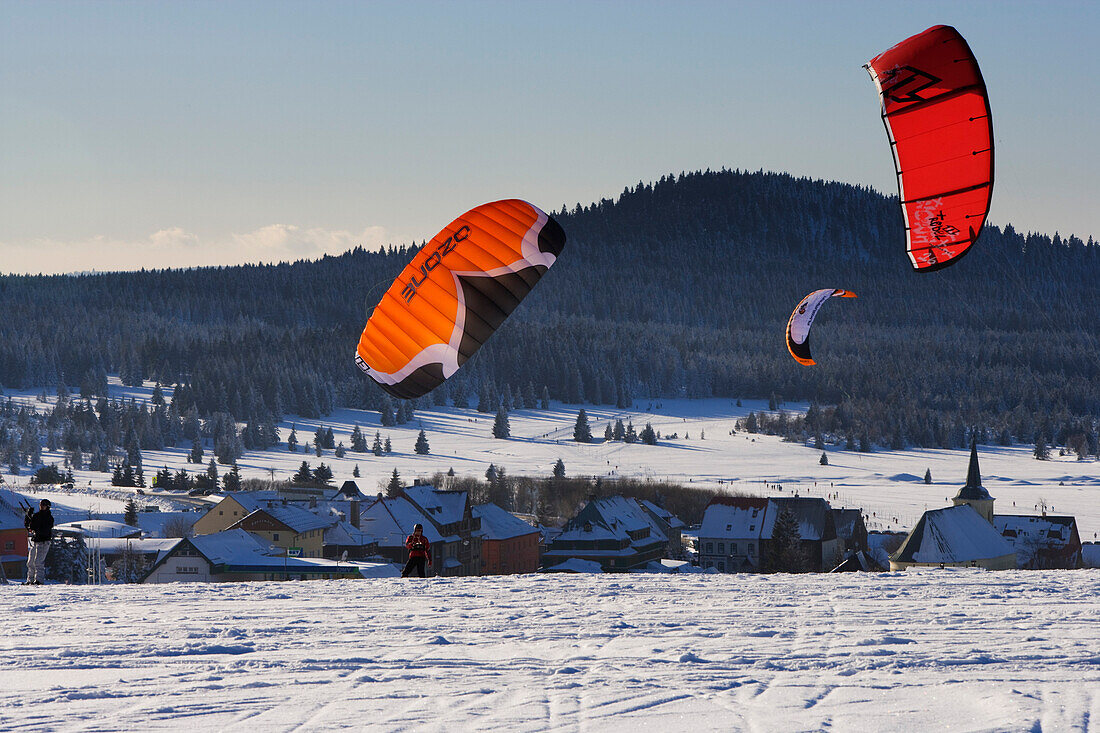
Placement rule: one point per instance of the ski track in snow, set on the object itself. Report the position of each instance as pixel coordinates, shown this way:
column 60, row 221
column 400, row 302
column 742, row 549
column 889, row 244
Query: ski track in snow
column 923, row 650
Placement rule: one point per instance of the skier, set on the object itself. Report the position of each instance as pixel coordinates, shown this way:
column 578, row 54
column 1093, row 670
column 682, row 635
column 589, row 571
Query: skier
column 40, row 526
column 419, row 552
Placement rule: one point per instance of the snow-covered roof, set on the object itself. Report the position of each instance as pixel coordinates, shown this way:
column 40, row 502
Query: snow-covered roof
column 576, row 565
column 10, row 516
column 733, row 518
column 957, row 534
column 1029, row 534
column 451, row 563
column 593, row 533
column 500, row 524
column 298, row 519
column 253, row 500
column 444, row 507
column 815, row 519
column 344, row 533
column 390, row 521
column 116, row 545
column 673, row 521
column 231, row 547
column 100, row 528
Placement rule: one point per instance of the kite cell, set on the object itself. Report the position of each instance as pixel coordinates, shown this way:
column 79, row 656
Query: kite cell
column 798, row 328
column 936, row 112
column 455, row 293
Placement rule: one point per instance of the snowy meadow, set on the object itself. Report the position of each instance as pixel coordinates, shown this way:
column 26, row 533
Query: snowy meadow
column 930, row 650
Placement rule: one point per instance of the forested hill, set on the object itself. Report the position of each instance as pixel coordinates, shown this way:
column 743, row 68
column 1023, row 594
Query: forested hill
column 679, row 288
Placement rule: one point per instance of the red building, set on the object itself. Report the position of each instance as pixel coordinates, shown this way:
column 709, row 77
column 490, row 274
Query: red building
column 508, row 544
column 13, row 540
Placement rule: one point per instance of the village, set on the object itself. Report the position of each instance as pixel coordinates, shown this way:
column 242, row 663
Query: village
column 309, row 533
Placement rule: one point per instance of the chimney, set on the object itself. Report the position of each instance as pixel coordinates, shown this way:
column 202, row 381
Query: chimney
column 313, row 502
column 354, row 511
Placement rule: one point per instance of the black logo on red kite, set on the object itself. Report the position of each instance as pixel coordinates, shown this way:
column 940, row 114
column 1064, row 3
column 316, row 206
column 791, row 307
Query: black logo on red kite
column 904, row 84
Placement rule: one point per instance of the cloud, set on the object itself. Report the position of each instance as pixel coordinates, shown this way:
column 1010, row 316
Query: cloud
column 175, row 247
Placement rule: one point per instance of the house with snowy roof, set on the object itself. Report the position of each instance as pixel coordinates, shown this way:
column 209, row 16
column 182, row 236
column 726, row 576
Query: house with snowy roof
column 1044, row 542
column 730, row 533
column 851, row 530
column 389, row 521
column 614, row 531
column 236, row 555
column 232, row 508
column 669, row 524
column 508, row 544
column 736, row 533
column 962, row 535
column 288, row 527
column 453, row 518
column 816, row 528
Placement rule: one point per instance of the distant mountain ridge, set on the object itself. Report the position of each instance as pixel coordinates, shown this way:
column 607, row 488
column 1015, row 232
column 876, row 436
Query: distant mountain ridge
column 680, row 287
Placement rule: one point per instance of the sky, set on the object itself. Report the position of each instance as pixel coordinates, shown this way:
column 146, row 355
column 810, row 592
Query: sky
column 208, row 133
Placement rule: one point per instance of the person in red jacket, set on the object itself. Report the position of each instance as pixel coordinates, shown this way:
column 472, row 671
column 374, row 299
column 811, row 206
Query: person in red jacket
column 420, row 552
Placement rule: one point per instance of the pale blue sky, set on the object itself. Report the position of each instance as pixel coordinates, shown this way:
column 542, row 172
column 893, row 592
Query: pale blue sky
column 186, row 133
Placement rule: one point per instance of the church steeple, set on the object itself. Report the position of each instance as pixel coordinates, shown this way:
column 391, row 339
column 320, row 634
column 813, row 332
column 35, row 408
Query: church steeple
column 973, row 493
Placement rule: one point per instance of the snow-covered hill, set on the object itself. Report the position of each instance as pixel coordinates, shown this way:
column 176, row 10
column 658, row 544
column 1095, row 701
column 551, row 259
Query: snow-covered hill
column 928, row 651
column 887, row 485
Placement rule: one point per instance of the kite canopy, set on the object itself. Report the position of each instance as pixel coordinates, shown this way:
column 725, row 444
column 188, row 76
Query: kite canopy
column 936, row 112
column 798, row 327
column 455, row 293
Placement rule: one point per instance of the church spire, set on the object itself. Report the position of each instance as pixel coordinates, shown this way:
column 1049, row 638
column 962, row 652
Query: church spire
column 973, row 493
column 973, row 475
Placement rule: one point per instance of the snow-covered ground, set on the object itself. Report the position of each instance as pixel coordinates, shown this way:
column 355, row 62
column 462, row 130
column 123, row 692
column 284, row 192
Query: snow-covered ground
column 918, row 651
column 887, row 485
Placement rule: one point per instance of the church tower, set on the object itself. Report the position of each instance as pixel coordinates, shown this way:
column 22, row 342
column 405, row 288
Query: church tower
column 974, row 493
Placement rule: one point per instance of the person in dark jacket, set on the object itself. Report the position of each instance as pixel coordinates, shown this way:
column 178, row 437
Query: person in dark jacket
column 40, row 526
column 420, row 551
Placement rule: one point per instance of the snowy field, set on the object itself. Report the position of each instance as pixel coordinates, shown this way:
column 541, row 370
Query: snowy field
column 887, row 485
column 918, row 651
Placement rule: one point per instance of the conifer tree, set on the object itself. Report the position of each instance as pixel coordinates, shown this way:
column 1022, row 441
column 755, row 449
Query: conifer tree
column 785, row 553
column 421, row 447
column 358, row 440
column 322, row 474
column 388, row 447
column 304, row 474
column 130, row 515
column 620, row 430
column 377, row 447
column 544, row 403
column 292, row 441
column 928, row 475
column 648, row 436
column 631, row 436
column 582, row 433
column 608, row 434
column 196, row 451
column 395, row 485
column 559, row 469
column 232, row 479
column 501, row 428
column 824, row 461
column 355, row 471
column 340, row 451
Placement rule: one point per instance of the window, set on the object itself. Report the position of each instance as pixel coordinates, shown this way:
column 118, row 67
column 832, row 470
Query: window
column 9, row 545
column 752, row 527
column 754, row 513
column 729, row 527
column 721, row 566
column 220, row 512
column 187, row 570
column 733, row 548
column 274, row 536
column 721, row 547
column 710, row 548
column 751, row 549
